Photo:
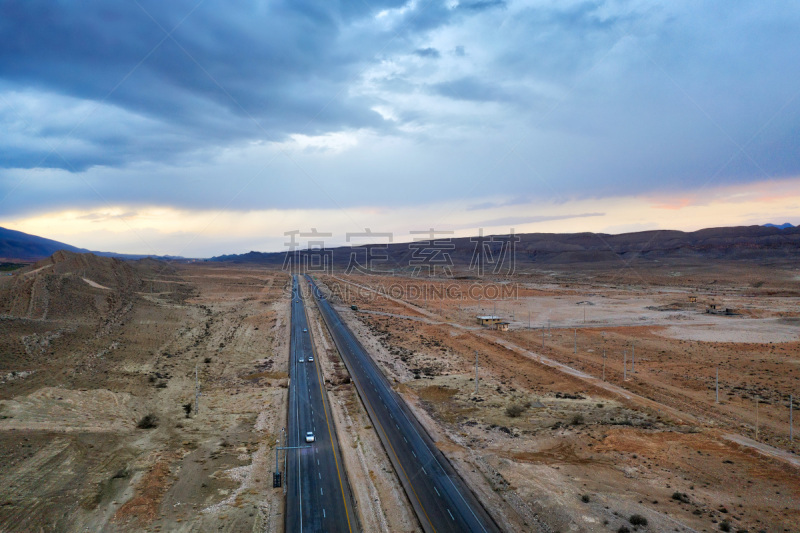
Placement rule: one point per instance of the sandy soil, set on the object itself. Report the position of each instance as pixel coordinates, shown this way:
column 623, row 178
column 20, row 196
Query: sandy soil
column 73, row 453
column 545, row 443
column 576, row 456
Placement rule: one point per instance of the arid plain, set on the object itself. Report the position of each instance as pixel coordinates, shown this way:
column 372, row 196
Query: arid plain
column 102, row 359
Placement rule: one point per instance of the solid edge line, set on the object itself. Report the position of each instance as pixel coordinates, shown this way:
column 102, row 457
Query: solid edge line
column 324, row 395
column 386, row 437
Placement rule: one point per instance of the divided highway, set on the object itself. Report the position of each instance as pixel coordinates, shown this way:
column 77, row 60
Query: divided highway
column 441, row 499
column 318, row 497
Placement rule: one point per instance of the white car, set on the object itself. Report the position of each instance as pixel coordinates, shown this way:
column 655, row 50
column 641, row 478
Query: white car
column 310, row 436
column 310, row 358
column 305, row 330
column 301, row 360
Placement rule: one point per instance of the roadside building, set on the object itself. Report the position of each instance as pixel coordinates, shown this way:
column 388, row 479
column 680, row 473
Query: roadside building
column 502, row 326
column 489, row 320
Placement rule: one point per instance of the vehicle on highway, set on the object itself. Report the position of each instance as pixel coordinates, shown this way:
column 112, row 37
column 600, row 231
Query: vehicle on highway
column 305, row 330
column 301, row 360
column 310, row 436
column 310, row 358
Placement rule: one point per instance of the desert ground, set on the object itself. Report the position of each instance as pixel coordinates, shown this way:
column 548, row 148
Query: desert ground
column 100, row 362
column 98, row 428
column 551, row 446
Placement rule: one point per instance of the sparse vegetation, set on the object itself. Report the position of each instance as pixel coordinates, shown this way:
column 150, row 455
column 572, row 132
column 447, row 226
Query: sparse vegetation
column 681, row 497
column 149, row 421
column 724, row 526
column 637, row 520
column 514, row 410
column 187, row 408
column 585, row 498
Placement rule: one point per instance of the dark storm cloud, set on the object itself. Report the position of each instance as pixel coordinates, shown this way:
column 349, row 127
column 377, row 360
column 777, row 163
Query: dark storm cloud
column 205, row 71
column 586, row 99
column 472, row 89
column 428, row 52
column 481, row 5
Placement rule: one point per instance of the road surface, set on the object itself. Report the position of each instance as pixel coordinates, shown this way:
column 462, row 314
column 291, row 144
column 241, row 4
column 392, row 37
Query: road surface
column 441, row 499
column 318, row 496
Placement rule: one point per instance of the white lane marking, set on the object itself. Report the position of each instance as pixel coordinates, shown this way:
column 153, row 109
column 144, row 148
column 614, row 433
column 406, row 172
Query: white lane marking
column 317, row 462
column 451, row 515
column 412, row 453
column 346, row 333
column 437, row 491
column 323, row 513
column 405, row 440
column 423, row 469
column 320, row 490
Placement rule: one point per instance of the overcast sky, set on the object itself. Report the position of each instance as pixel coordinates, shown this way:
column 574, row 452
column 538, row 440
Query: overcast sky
column 208, row 127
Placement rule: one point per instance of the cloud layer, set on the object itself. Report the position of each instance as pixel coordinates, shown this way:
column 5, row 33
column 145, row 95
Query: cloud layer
column 274, row 105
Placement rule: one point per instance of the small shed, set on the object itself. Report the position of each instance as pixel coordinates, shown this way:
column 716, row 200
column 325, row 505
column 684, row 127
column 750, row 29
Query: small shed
column 489, row 320
column 502, row 326
column 693, row 299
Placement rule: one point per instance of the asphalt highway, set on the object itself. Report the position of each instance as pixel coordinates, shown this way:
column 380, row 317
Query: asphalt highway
column 440, row 497
column 318, row 496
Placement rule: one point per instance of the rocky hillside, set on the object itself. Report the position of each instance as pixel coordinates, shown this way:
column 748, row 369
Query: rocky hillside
column 76, row 285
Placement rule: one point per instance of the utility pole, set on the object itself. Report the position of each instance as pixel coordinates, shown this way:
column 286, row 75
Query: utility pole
column 285, row 457
column 476, row 372
column 757, row 400
column 576, row 341
column 633, row 357
column 604, row 355
column 584, row 315
column 625, row 366
column 791, row 422
column 717, row 396
column 542, row 337
column 196, row 390
column 529, row 319
column 276, row 476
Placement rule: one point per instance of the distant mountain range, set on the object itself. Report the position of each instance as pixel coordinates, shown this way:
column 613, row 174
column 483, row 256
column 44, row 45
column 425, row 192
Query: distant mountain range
column 18, row 245
column 22, row 246
column 754, row 243
column 759, row 243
